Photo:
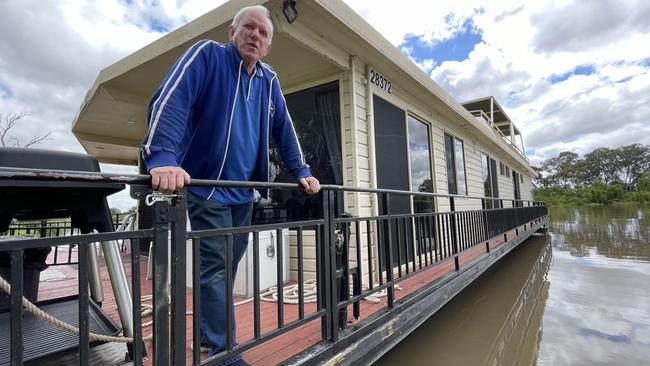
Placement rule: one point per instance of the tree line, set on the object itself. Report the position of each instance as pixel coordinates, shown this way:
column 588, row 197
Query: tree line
column 602, row 176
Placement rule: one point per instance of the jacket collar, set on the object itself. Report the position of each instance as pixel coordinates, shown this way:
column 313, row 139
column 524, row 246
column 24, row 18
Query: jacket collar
column 235, row 59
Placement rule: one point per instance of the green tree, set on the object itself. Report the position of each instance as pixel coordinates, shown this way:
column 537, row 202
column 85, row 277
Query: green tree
column 633, row 160
column 560, row 171
column 598, row 166
column 643, row 185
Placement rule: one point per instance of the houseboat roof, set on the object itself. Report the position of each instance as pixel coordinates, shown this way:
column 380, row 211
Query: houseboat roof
column 320, row 43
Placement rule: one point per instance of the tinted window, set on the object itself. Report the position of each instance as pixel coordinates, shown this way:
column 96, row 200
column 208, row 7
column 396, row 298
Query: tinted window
column 315, row 113
column 391, row 152
column 451, row 165
column 487, row 183
column 420, row 157
column 459, row 152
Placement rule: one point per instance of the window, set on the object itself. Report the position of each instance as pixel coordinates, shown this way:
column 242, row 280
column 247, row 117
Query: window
column 490, row 180
column 316, row 118
column 420, row 158
column 391, row 153
column 455, row 159
column 515, row 186
column 487, row 183
column 521, row 178
column 504, row 170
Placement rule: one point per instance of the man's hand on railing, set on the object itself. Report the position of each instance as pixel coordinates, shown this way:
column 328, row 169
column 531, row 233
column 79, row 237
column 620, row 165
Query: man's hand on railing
column 169, row 179
column 310, row 184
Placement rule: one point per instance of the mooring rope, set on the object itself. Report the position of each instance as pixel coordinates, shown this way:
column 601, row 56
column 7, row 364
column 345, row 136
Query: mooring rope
column 36, row 311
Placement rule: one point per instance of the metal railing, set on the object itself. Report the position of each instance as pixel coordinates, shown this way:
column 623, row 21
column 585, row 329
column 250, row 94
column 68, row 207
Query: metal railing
column 56, row 228
column 52, row 228
column 479, row 114
column 380, row 251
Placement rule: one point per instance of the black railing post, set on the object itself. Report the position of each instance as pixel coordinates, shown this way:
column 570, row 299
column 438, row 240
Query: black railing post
column 454, row 239
column 138, row 345
column 327, row 266
column 370, row 258
column 301, row 276
column 16, row 312
column 84, row 323
column 342, row 267
column 43, row 231
column 279, row 276
column 257, row 328
column 331, row 261
column 229, row 292
column 196, row 300
column 390, row 290
column 160, row 288
column 178, row 277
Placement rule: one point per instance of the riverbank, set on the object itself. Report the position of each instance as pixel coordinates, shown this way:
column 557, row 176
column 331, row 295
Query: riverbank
column 596, row 194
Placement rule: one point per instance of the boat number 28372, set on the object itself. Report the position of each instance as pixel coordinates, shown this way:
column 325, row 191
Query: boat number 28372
column 380, row 81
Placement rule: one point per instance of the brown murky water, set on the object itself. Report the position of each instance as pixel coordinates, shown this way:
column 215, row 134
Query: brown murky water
column 580, row 296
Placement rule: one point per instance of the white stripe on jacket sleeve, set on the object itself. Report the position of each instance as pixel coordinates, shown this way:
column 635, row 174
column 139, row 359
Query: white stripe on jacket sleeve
column 156, row 113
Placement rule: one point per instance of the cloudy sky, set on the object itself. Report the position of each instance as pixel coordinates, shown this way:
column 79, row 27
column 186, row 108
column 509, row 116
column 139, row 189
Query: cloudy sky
column 573, row 75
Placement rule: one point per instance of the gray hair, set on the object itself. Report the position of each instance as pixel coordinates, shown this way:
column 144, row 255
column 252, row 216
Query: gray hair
column 255, row 8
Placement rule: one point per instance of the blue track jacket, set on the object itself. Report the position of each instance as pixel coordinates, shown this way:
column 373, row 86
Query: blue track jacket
column 191, row 117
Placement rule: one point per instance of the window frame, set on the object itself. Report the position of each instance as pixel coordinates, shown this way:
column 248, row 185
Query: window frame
column 431, row 149
column 329, row 85
column 454, row 159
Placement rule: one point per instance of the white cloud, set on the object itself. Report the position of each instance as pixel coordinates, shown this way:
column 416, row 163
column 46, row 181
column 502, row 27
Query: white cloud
column 394, row 20
column 524, row 44
column 52, row 51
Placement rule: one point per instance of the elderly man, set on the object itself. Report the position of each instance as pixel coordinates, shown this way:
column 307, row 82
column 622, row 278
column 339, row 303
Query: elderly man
column 211, row 118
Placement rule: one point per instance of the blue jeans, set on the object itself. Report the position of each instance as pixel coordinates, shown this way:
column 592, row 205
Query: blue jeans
column 210, row 214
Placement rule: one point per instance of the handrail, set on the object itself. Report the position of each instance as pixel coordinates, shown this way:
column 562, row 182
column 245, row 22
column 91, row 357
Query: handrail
column 145, row 179
column 478, row 113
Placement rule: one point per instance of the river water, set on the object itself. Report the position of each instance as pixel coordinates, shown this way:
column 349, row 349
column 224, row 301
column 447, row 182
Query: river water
column 578, row 296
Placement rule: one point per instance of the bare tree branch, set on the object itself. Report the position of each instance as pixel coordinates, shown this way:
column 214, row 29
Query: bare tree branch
column 37, row 140
column 8, row 122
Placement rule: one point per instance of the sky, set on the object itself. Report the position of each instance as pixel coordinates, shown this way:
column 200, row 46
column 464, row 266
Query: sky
column 572, row 75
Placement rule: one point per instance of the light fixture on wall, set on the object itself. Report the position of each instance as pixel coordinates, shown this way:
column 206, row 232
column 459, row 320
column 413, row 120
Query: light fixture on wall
column 289, row 10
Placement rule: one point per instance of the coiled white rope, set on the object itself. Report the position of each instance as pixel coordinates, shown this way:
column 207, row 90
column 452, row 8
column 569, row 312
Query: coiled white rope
column 291, row 294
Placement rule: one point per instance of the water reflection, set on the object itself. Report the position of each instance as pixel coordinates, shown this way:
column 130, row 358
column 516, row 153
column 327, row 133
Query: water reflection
column 619, row 231
column 496, row 321
column 588, row 305
column 598, row 310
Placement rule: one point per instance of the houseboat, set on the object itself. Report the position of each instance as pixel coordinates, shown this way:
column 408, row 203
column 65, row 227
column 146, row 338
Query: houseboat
column 421, row 194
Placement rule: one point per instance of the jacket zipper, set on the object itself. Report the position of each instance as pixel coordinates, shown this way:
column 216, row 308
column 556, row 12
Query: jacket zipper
column 268, row 124
column 232, row 113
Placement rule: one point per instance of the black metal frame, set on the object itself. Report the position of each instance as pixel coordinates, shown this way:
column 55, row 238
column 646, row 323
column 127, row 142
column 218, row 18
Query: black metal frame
column 423, row 240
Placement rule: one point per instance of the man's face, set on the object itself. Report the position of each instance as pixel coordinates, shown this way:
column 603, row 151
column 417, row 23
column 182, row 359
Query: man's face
column 251, row 37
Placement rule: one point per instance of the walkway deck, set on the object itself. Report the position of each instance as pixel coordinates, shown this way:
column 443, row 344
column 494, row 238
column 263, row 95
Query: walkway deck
column 278, row 349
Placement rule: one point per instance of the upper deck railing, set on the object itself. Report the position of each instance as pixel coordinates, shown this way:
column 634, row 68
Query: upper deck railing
column 483, row 116
column 369, row 255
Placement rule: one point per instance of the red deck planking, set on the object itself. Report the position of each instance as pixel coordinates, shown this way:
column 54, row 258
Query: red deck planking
column 279, row 348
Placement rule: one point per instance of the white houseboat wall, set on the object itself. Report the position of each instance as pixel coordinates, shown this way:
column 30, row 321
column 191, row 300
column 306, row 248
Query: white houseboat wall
column 366, row 115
